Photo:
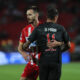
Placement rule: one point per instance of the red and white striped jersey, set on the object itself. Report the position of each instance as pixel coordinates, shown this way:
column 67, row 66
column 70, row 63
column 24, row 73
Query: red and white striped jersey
column 25, row 34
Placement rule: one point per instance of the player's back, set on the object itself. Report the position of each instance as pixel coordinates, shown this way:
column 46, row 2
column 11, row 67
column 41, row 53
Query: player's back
column 45, row 33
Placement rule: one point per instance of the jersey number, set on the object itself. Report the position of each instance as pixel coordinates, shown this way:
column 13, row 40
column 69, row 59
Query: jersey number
column 48, row 38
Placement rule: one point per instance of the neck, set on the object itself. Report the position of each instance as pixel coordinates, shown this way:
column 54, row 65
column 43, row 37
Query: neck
column 35, row 23
column 49, row 20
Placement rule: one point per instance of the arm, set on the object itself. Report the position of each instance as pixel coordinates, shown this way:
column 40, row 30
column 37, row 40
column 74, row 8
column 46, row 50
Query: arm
column 23, row 53
column 65, row 46
column 66, row 40
column 54, row 43
column 20, row 46
column 31, row 38
column 26, row 45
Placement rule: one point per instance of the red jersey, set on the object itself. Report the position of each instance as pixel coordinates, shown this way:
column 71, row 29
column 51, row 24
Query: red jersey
column 26, row 32
column 31, row 67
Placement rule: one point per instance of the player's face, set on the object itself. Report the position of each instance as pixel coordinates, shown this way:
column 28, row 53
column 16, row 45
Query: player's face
column 31, row 16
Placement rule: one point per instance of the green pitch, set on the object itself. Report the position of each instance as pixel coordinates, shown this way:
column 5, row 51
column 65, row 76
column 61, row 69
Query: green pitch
column 12, row 72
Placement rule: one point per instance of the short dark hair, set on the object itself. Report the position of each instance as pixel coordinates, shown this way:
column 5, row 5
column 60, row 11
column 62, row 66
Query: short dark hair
column 34, row 8
column 51, row 12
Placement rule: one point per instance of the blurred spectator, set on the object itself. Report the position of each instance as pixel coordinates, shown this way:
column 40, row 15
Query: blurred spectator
column 4, row 35
column 7, row 46
column 3, row 20
column 2, row 4
column 64, row 1
column 77, row 40
column 4, row 45
column 13, row 10
column 10, row 46
column 72, row 49
column 17, row 15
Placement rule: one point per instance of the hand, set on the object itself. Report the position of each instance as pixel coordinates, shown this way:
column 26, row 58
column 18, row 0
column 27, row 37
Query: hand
column 54, row 43
column 27, row 57
column 26, row 45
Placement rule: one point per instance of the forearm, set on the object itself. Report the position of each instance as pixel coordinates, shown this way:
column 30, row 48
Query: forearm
column 26, row 56
column 64, row 47
column 21, row 51
column 60, row 43
column 26, row 45
column 54, row 44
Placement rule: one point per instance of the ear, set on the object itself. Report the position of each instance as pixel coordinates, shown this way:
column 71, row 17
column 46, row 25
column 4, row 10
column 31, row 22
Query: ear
column 55, row 18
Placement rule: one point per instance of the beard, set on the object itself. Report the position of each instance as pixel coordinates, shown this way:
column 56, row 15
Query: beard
column 31, row 21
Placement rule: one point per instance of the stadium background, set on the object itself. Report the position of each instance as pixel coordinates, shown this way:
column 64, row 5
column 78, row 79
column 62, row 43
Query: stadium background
column 13, row 20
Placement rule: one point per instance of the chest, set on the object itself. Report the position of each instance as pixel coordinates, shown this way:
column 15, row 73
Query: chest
column 28, row 31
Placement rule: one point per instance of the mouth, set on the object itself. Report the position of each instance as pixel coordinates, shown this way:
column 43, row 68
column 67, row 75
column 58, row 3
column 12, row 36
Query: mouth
column 28, row 19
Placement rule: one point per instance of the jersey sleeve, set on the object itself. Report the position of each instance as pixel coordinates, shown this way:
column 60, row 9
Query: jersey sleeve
column 22, row 37
column 66, row 37
column 33, row 36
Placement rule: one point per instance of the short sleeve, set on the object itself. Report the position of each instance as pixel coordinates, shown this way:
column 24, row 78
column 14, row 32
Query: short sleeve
column 22, row 37
column 66, row 37
column 33, row 36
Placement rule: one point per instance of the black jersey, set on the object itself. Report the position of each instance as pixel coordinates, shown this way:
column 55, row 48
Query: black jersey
column 46, row 32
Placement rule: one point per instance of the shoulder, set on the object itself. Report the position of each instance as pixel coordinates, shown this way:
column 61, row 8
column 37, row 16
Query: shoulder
column 62, row 28
column 26, row 27
column 41, row 25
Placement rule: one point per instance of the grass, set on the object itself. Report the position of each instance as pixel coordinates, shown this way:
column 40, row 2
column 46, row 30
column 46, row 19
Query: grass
column 12, row 72
column 71, row 71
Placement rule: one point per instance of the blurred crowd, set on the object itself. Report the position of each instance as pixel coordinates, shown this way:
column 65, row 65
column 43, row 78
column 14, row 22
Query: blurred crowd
column 8, row 46
column 13, row 11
